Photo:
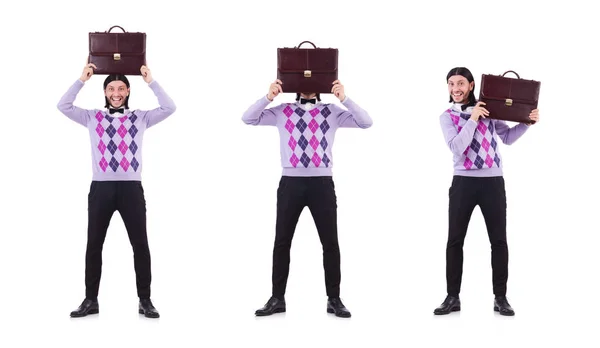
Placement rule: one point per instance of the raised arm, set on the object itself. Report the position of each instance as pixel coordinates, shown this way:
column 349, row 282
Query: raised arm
column 65, row 105
column 166, row 105
column 354, row 116
column 509, row 135
column 258, row 114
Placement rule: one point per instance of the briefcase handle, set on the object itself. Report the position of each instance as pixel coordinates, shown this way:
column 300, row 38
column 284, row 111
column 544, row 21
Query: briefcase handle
column 303, row 42
column 116, row 26
column 510, row 71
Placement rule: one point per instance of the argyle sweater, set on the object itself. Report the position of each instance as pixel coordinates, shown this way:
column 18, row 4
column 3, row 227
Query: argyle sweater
column 307, row 132
column 475, row 144
column 116, row 139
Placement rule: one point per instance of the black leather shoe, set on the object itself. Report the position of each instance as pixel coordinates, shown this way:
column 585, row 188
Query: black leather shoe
column 450, row 304
column 274, row 305
column 147, row 309
column 86, row 307
column 501, row 305
column 335, row 305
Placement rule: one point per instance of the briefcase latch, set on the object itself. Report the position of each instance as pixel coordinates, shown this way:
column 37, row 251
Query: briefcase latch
column 508, row 102
column 117, row 56
column 307, row 73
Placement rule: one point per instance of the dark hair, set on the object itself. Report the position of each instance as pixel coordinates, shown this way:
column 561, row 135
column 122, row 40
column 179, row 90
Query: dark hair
column 116, row 77
column 464, row 72
column 318, row 96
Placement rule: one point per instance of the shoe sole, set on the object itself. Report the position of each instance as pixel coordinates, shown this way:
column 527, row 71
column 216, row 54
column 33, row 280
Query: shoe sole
column 329, row 310
column 93, row 311
column 496, row 309
column 141, row 311
column 278, row 310
column 455, row 309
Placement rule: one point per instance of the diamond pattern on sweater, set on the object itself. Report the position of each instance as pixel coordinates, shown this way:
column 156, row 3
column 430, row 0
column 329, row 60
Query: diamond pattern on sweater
column 116, row 146
column 307, row 140
column 482, row 151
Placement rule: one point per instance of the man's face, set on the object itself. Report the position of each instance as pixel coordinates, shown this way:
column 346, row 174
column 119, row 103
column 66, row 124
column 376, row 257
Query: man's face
column 116, row 92
column 459, row 88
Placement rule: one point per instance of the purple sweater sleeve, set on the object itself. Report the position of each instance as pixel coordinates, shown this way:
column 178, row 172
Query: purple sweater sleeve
column 354, row 117
column 457, row 141
column 75, row 113
column 165, row 109
column 507, row 134
column 258, row 115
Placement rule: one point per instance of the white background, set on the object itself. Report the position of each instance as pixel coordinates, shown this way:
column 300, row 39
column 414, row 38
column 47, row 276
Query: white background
column 210, row 180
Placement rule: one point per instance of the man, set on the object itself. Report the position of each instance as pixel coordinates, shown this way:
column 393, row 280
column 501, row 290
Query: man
column 478, row 180
column 307, row 129
column 116, row 140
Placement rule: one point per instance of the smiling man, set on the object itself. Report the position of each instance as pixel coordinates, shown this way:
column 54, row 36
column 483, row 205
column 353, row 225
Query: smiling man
column 473, row 140
column 116, row 135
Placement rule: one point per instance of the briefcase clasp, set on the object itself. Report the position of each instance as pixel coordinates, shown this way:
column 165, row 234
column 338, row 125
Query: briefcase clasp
column 117, row 56
column 307, row 73
column 508, row 102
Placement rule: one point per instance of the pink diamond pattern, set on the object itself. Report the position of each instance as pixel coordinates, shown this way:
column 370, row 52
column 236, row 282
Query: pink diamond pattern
column 459, row 128
column 489, row 161
column 313, row 125
column 289, row 125
column 481, row 127
column 294, row 160
column 292, row 143
column 314, row 112
column 288, row 111
column 314, row 143
column 99, row 130
column 123, row 119
column 103, row 164
column 316, row 159
column 485, row 144
column 124, row 163
column 122, row 131
column 99, row 116
column 468, row 163
column 101, row 147
column 123, row 147
column 455, row 120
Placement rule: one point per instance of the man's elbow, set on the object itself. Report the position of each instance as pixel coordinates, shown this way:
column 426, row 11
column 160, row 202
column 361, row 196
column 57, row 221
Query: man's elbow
column 249, row 121
column 366, row 125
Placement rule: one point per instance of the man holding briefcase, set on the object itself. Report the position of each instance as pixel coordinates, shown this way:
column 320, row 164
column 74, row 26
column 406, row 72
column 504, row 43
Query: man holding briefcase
column 116, row 138
column 472, row 135
column 307, row 129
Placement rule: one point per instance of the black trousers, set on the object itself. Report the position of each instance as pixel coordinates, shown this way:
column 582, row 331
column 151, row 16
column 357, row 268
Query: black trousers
column 318, row 194
column 465, row 193
column 126, row 197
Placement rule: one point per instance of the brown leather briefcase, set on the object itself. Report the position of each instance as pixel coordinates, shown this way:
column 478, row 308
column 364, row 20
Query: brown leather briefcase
column 307, row 70
column 509, row 99
column 117, row 53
